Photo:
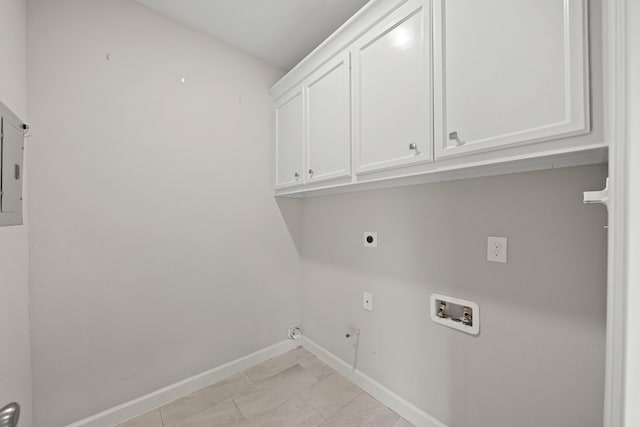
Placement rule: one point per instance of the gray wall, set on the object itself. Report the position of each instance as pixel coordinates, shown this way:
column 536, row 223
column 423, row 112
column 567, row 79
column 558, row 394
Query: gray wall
column 539, row 358
column 15, row 363
column 157, row 248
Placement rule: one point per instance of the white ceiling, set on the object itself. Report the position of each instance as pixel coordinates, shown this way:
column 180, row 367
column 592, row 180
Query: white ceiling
column 280, row 32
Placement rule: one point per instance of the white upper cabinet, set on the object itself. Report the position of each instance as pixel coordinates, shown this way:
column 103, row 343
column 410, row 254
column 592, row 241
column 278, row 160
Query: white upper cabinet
column 412, row 91
column 329, row 121
column 290, row 140
column 509, row 72
column 392, row 98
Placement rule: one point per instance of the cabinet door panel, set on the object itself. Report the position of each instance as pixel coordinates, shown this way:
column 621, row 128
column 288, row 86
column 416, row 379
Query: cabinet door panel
column 290, row 140
column 392, row 96
column 514, row 71
column 328, row 122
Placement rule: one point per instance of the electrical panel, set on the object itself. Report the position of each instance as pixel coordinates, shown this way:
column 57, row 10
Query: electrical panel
column 12, row 131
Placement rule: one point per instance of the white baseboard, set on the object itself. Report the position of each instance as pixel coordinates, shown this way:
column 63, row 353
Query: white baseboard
column 139, row 406
column 401, row 406
column 146, row 403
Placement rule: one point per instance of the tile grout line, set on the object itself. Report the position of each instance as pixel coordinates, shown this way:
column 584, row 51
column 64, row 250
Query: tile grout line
column 339, row 409
column 278, row 373
column 233, row 397
column 299, row 394
column 348, row 403
column 290, row 398
column 161, row 417
column 239, row 411
column 314, row 408
column 248, row 377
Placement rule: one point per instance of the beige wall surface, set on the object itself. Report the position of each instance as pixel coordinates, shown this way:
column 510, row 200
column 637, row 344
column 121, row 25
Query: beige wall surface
column 158, row 250
column 15, row 364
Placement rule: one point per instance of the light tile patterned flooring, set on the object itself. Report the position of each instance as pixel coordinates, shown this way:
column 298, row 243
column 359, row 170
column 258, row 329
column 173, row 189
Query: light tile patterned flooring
column 295, row 389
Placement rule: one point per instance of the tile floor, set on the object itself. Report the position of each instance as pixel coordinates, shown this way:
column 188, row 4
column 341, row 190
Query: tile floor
column 295, row 389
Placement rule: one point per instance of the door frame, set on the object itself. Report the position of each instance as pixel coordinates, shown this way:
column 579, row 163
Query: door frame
column 615, row 31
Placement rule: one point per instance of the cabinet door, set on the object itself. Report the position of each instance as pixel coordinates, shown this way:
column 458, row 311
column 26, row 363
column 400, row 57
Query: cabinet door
column 290, row 140
column 328, row 122
column 392, row 91
column 509, row 72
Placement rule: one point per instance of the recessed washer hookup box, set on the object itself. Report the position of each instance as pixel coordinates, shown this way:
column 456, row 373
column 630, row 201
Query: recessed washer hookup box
column 455, row 313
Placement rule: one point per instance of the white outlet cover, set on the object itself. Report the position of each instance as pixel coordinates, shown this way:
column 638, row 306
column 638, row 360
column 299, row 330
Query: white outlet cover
column 367, row 301
column 497, row 249
column 370, row 235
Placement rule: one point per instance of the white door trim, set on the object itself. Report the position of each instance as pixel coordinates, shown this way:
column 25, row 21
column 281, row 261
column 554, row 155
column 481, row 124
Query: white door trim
column 616, row 117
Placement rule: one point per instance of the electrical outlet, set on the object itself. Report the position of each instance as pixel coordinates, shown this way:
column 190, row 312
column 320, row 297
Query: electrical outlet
column 497, row 249
column 367, row 301
column 370, row 239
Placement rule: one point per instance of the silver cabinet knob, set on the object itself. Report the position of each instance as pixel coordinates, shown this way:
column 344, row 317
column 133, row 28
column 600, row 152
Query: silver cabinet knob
column 311, row 172
column 413, row 146
column 453, row 136
column 296, row 176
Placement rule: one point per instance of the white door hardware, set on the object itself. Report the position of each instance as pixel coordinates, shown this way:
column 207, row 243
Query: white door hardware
column 601, row 196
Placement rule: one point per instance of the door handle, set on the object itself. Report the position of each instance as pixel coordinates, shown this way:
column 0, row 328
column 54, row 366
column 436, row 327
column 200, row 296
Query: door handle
column 9, row 415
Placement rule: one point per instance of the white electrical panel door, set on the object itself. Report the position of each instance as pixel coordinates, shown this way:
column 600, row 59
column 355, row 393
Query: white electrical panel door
column 509, row 72
column 12, row 141
column 290, row 140
column 329, row 122
column 392, row 91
